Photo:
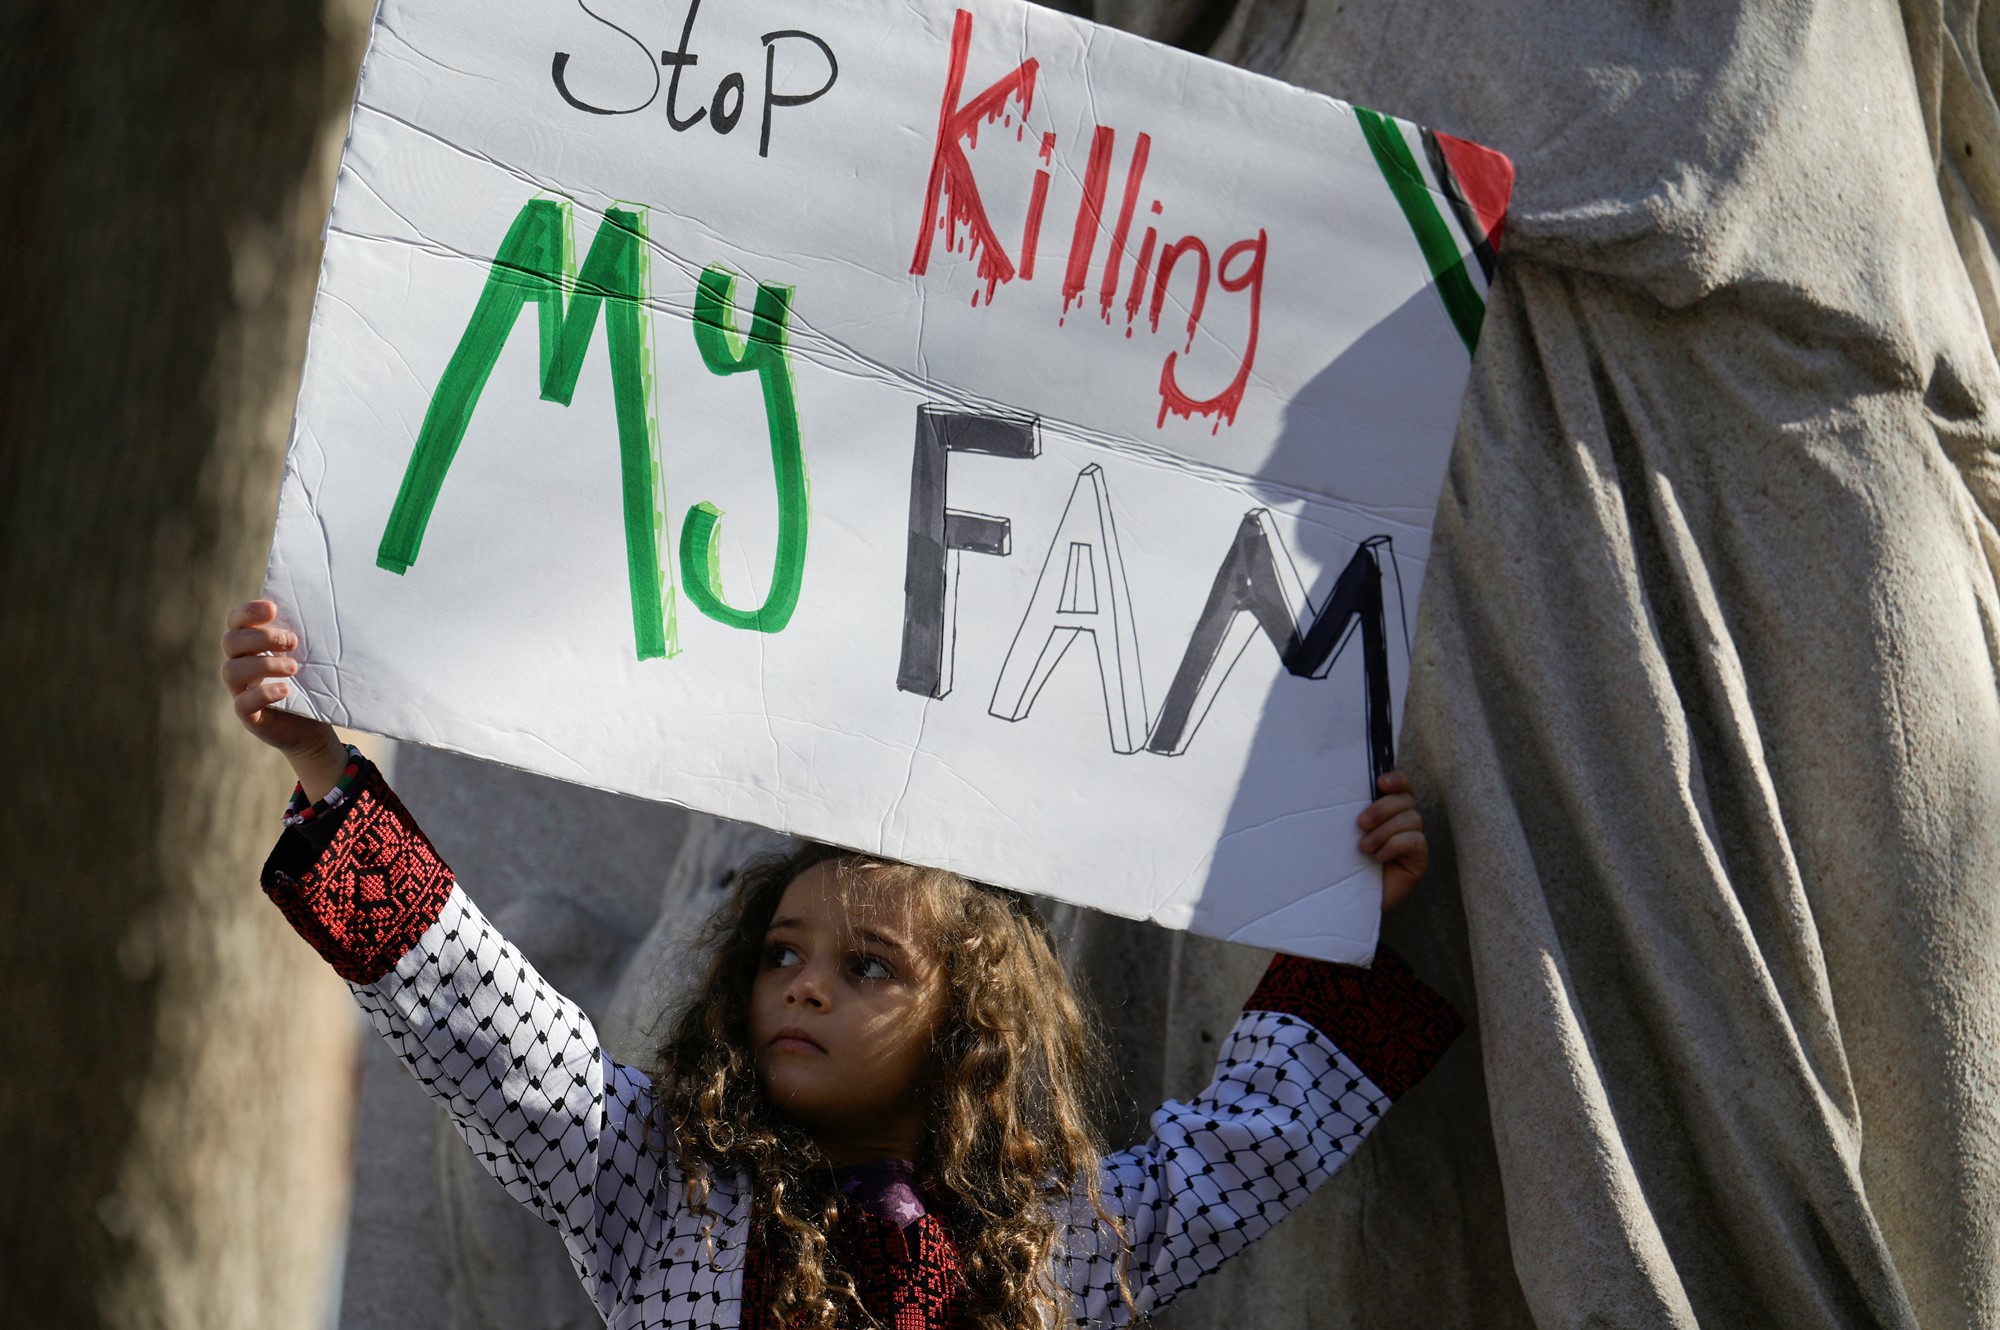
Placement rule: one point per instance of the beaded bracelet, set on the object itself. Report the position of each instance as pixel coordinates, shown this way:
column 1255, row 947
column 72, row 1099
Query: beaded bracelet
column 298, row 811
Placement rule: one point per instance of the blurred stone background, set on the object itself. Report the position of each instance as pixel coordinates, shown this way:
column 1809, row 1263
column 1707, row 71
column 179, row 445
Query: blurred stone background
column 1704, row 710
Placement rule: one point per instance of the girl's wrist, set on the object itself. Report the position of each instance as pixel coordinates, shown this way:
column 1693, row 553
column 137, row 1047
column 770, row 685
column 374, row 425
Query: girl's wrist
column 319, row 766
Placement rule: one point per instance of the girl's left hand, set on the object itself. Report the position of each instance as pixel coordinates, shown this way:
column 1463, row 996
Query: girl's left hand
column 1393, row 834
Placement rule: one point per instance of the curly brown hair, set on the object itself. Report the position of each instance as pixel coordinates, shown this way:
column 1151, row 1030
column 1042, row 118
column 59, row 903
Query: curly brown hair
column 1008, row 1144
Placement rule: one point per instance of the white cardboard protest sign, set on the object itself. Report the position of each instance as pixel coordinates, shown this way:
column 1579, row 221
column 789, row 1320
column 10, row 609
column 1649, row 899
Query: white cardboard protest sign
column 955, row 431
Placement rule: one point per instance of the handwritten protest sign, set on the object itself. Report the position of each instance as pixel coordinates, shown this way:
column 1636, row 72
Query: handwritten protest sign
column 955, row 431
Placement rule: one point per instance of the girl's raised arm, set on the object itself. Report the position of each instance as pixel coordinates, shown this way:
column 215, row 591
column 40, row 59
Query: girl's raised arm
column 1319, row 1054
column 516, row 1065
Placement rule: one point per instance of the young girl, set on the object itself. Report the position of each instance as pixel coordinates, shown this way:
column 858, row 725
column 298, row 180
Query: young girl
column 873, row 1112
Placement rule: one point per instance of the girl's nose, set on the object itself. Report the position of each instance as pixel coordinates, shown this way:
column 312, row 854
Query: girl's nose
column 807, row 989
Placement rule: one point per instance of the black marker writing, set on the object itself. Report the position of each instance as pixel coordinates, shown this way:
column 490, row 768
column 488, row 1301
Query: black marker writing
column 1257, row 579
column 939, row 534
column 774, row 98
column 1081, row 594
column 677, row 60
column 560, row 64
column 726, row 102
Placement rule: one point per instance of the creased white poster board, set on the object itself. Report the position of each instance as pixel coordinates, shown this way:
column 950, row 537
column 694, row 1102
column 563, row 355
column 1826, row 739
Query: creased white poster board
column 955, row 431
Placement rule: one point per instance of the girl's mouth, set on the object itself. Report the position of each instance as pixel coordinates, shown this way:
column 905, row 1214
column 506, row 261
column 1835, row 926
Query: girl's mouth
column 793, row 1039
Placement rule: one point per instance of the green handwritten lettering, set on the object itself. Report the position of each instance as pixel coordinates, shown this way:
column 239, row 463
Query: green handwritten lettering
column 765, row 351
column 533, row 266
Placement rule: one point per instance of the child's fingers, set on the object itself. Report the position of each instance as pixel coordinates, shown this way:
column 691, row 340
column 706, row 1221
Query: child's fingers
column 251, row 613
column 257, row 696
column 1393, row 782
column 256, row 640
column 1402, row 845
column 1388, row 806
column 1405, row 821
column 246, row 671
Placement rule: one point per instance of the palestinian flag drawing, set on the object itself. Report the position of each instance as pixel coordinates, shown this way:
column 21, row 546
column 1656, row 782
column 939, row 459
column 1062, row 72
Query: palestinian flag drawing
column 1454, row 196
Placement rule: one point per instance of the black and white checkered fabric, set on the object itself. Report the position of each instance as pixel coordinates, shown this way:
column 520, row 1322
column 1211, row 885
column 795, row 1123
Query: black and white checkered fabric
column 564, row 1128
column 1286, row 1108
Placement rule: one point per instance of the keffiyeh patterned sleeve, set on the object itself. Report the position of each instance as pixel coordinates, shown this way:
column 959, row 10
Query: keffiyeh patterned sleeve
column 1317, row 1057
column 516, row 1065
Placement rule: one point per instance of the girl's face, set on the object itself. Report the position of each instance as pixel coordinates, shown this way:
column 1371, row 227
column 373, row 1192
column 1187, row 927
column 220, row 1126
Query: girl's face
column 847, row 997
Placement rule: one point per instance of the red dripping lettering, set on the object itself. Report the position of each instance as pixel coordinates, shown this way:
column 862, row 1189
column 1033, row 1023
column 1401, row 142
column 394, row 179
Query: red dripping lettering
column 951, row 177
column 1224, row 404
column 1135, row 175
column 1089, row 215
column 1168, row 258
column 1031, row 234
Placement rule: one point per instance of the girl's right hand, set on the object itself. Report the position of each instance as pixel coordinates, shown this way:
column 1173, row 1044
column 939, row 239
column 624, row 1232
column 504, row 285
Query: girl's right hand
column 257, row 668
column 1393, row 835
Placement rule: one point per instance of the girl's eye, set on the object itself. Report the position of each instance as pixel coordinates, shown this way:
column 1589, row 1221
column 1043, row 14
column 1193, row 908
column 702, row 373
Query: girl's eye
column 872, row 967
column 779, row 956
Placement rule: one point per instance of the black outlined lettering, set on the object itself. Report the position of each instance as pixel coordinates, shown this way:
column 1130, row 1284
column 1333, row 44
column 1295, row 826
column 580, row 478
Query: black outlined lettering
column 1257, row 579
column 1082, row 591
column 938, row 535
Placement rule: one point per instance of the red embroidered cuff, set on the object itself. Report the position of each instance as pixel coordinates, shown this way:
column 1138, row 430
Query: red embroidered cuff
column 365, row 899
column 1390, row 1023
